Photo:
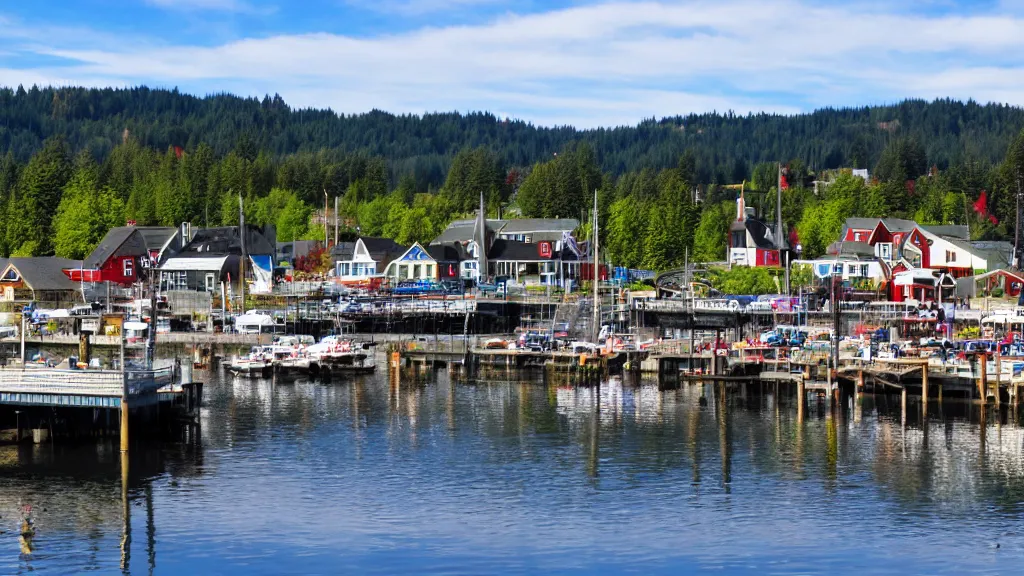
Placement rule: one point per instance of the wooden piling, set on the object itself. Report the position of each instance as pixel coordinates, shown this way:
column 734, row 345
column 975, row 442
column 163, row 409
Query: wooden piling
column 983, row 381
column 999, row 375
column 801, row 400
column 924, row 392
column 903, row 406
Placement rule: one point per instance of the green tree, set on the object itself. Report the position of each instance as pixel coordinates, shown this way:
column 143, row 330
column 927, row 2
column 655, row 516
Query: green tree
column 710, row 240
column 30, row 212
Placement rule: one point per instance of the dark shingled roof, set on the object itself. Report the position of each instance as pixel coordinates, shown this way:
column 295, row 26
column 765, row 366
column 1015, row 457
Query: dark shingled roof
column 120, row 241
column 225, row 241
column 453, row 252
column 45, row 272
column 511, row 250
column 156, row 236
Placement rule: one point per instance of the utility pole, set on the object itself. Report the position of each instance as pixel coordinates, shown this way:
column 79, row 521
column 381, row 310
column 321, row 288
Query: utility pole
column 327, row 230
column 335, row 219
column 1016, row 228
column 241, row 263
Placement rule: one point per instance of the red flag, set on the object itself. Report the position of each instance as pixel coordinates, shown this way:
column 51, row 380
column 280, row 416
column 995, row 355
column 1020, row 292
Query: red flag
column 981, row 205
column 783, row 183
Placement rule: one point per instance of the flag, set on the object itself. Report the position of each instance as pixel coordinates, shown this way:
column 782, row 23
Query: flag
column 569, row 242
column 981, row 208
column 783, row 183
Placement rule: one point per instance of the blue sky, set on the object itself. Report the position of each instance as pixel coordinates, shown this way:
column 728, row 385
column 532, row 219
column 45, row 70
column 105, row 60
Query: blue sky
column 576, row 62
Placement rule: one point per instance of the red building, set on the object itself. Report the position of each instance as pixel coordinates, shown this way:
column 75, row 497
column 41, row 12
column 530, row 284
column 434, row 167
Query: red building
column 118, row 259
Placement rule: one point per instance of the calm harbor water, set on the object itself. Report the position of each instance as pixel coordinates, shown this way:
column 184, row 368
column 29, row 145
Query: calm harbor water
column 518, row 477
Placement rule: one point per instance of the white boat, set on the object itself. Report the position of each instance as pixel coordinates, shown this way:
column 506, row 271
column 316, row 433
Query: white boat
column 256, row 364
column 256, row 322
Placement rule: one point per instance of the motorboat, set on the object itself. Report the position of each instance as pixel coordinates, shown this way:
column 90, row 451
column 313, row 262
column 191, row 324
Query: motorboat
column 256, row 364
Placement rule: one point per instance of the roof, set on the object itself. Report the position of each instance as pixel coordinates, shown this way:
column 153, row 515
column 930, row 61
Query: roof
column 862, row 223
column 898, row 224
column 851, row 249
column 453, row 252
column 376, row 245
column 760, row 233
column 1007, row 271
column 343, row 250
column 122, row 240
column 516, row 251
column 45, row 272
column 528, row 225
column 225, row 241
column 947, row 232
column 462, row 231
column 195, row 263
column 156, row 237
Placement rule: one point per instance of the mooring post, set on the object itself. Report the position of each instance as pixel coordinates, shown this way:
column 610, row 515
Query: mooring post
column 800, row 400
column 983, row 381
column 924, row 392
column 903, row 406
column 999, row 375
column 124, row 398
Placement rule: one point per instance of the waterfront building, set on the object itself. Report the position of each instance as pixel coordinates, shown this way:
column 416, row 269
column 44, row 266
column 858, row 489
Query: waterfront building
column 214, row 256
column 39, row 279
column 362, row 263
column 415, row 264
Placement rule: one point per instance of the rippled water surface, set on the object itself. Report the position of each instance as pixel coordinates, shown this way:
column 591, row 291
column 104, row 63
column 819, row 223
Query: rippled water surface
column 435, row 476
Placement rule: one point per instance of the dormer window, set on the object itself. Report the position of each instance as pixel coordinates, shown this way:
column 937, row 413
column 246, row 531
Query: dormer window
column 11, row 275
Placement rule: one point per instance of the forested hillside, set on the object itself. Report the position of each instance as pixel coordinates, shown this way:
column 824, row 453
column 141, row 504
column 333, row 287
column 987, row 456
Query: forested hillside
column 78, row 161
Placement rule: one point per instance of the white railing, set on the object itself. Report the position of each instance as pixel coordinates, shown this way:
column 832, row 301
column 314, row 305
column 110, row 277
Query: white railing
column 83, row 382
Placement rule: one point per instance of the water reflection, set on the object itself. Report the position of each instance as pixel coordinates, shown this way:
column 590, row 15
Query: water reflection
column 417, row 472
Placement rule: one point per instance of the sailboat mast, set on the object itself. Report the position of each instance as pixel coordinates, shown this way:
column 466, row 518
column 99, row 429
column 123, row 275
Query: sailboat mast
column 597, row 276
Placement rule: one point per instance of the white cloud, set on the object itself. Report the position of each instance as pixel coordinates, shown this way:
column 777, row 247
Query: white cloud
column 600, row 64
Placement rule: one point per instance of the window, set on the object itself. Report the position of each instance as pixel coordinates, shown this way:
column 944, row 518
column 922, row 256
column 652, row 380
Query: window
column 417, row 271
column 343, row 268
column 858, row 237
column 864, row 270
column 837, row 268
column 429, row 270
column 851, row 269
column 210, row 282
column 950, row 255
column 129, row 267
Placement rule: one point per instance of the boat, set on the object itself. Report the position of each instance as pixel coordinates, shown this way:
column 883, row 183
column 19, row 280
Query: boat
column 334, row 354
column 256, row 364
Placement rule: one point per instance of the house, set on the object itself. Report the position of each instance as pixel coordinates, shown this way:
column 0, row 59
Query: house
column 854, row 262
column 289, row 252
column 1006, row 282
column 535, row 263
column 41, row 280
column 362, row 263
column 214, row 255
column 122, row 255
column 453, row 261
column 415, row 264
column 554, row 233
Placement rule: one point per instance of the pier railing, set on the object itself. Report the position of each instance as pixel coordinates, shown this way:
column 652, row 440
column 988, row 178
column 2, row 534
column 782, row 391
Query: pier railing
column 109, row 383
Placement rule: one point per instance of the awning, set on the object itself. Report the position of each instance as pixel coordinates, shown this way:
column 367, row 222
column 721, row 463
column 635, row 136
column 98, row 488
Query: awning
column 175, row 264
column 918, row 276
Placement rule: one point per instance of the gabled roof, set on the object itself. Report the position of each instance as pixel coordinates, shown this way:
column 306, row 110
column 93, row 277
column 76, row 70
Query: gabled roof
column 120, row 241
column 452, row 252
column 157, row 236
column 760, row 232
column 1007, row 271
column 45, row 272
column 511, row 250
column 225, row 241
column 861, row 223
column 533, row 225
column 949, row 231
column 462, row 231
column 851, row 249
